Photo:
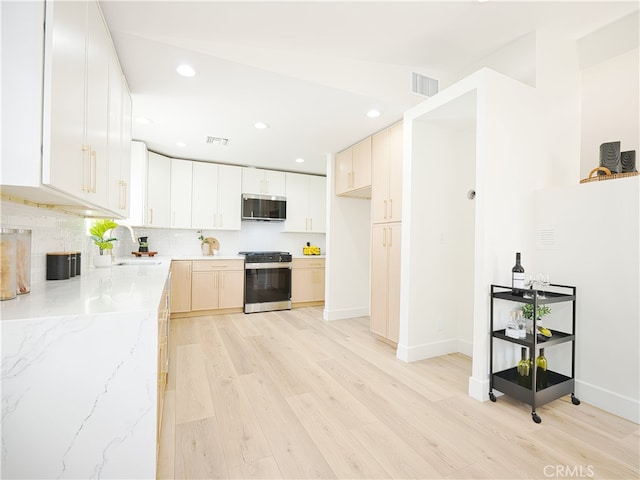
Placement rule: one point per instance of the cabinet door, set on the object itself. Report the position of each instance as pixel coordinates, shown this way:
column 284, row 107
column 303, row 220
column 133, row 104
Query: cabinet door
column 380, row 177
column 317, row 204
column 180, row 286
column 393, row 282
column 395, row 172
column 97, row 94
column 65, row 163
column 125, row 155
column 379, row 265
column 231, row 292
column 204, row 290
column 297, row 203
column 275, row 183
column 204, row 196
column 114, row 136
column 343, row 169
column 138, row 183
column 229, row 194
column 181, row 178
column 252, row 180
column 361, row 176
column 158, row 184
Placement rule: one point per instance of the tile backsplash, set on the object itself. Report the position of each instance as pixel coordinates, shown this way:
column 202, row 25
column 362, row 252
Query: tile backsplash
column 53, row 231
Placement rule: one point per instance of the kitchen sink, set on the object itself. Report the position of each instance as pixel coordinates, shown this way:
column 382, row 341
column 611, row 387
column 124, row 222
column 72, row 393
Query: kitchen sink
column 137, row 261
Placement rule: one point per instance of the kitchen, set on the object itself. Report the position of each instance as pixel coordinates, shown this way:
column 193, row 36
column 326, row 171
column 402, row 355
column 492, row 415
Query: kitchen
column 348, row 232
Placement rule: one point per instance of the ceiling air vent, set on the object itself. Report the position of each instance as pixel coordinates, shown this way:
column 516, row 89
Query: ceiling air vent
column 218, row 141
column 422, row 85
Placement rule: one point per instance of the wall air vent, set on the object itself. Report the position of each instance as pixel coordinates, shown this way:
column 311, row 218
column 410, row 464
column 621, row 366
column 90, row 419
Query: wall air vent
column 218, row 141
column 425, row 86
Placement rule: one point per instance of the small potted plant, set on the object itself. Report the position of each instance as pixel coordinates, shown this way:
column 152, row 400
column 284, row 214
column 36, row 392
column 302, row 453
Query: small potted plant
column 542, row 310
column 98, row 232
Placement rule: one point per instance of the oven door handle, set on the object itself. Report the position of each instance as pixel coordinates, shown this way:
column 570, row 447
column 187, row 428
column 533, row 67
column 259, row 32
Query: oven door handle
column 264, row 266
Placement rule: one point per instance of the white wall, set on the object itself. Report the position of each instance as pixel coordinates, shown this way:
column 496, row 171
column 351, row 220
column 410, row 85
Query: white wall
column 596, row 247
column 610, row 108
column 347, row 287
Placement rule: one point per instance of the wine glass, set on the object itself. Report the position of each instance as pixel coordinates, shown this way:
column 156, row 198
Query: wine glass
column 529, row 281
column 543, row 280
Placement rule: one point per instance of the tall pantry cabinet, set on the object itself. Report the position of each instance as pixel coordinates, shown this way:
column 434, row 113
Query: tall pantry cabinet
column 386, row 209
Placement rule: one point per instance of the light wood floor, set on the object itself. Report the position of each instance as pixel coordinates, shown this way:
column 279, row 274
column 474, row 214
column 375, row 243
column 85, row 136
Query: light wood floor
column 286, row 395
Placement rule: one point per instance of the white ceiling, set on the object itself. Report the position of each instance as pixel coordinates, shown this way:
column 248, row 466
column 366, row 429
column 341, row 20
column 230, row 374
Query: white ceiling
column 310, row 70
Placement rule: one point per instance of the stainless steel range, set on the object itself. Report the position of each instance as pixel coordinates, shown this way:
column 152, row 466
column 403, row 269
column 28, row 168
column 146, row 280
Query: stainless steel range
column 267, row 281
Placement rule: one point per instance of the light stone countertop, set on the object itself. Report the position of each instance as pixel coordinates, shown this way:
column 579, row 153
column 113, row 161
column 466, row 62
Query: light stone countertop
column 121, row 288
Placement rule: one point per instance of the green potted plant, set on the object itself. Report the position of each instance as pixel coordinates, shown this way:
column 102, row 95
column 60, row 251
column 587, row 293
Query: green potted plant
column 98, row 232
column 541, row 311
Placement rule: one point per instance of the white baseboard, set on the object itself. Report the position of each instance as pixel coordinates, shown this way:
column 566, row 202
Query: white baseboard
column 465, row 347
column 609, row 401
column 426, row 350
column 330, row 315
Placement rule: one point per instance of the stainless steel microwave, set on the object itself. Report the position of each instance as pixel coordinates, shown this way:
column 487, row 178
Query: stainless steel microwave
column 264, row 207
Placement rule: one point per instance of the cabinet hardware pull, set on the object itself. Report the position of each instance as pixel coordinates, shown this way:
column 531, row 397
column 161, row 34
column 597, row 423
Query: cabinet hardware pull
column 85, row 167
column 94, row 167
column 391, row 208
column 151, row 216
column 384, row 237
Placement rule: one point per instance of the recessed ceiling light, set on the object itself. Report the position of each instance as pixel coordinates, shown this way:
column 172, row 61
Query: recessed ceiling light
column 186, row 70
column 143, row 120
column 373, row 113
column 181, row 144
column 300, row 160
column 260, row 125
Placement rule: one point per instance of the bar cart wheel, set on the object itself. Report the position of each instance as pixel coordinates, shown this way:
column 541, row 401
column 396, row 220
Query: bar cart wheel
column 574, row 400
column 536, row 418
column 492, row 397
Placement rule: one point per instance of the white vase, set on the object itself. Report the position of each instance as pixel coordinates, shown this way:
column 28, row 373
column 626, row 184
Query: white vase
column 100, row 261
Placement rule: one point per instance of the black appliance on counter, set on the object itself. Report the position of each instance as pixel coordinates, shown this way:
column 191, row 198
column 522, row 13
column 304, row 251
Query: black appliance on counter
column 267, row 281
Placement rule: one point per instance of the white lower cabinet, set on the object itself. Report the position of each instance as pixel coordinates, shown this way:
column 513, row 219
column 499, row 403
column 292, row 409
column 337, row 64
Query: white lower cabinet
column 385, row 280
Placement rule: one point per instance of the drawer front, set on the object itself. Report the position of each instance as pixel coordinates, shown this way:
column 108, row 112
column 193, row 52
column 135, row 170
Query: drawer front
column 217, row 265
column 308, row 263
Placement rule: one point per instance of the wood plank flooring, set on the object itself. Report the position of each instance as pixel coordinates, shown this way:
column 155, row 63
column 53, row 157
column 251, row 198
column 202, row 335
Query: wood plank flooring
column 287, row 395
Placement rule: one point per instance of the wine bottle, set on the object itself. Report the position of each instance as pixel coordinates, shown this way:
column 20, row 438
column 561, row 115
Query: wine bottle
column 517, row 277
column 541, row 371
column 524, row 369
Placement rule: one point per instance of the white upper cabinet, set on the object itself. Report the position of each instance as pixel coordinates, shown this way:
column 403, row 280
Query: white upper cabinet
column 138, row 190
column 229, row 194
column 181, row 188
column 265, row 182
column 58, row 82
column 76, row 95
column 118, row 140
column 158, row 188
column 216, row 196
column 306, row 203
